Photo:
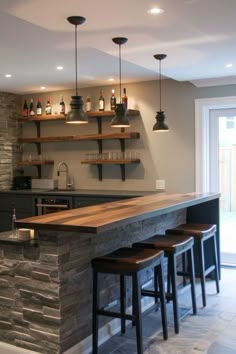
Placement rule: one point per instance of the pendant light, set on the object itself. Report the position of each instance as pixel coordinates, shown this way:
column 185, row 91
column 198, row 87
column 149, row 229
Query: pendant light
column 120, row 120
column 160, row 125
column 76, row 115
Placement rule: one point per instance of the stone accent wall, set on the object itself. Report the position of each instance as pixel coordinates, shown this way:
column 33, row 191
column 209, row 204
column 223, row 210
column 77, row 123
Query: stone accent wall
column 10, row 108
column 46, row 291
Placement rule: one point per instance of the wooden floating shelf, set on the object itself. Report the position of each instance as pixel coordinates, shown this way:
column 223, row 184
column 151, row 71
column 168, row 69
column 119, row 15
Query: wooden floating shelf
column 35, row 162
column 121, row 163
column 95, row 114
column 110, row 162
column 125, row 135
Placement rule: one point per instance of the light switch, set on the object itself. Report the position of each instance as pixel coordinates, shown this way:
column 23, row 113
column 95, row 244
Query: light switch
column 160, row 184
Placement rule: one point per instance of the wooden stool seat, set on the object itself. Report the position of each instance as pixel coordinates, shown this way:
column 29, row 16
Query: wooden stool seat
column 201, row 233
column 197, row 230
column 128, row 262
column 172, row 245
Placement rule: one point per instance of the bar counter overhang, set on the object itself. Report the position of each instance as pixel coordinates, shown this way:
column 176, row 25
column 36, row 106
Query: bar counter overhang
column 51, row 285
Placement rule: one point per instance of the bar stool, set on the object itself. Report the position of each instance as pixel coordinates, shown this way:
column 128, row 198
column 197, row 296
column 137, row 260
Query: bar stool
column 128, row 261
column 201, row 233
column 173, row 246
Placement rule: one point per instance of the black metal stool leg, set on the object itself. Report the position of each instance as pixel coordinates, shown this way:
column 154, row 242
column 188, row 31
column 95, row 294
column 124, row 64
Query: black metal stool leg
column 173, row 273
column 184, row 268
column 159, row 270
column 200, row 246
column 156, row 280
column 192, row 278
column 137, row 312
column 216, row 265
column 122, row 302
column 95, row 308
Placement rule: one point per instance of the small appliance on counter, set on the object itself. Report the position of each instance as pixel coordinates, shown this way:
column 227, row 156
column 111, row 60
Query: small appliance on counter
column 21, row 182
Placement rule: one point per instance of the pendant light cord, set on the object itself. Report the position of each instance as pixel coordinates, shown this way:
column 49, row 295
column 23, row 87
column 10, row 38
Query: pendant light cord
column 160, row 81
column 76, row 87
column 120, row 68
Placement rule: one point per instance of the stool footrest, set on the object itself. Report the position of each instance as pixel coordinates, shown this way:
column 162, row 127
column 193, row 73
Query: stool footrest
column 153, row 293
column 115, row 314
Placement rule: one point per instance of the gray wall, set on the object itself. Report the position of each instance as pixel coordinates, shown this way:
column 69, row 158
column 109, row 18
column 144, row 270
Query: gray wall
column 168, row 156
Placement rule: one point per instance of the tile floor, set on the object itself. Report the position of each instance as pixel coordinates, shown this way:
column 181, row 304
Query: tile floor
column 211, row 331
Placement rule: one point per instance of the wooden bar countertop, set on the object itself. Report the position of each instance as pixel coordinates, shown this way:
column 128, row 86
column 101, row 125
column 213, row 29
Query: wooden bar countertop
column 107, row 216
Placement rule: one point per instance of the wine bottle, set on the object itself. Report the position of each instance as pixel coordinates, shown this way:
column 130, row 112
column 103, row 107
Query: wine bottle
column 39, row 107
column 62, row 106
column 88, row 104
column 48, row 108
column 25, row 109
column 125, row 99
column 113, row 100
column 31, row 110
column 101, row 102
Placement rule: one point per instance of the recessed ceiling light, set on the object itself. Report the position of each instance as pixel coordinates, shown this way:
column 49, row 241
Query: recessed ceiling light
column 111, row 79
column 60, row 67
column 8, row 75
column 155, row 11
column 42, row 87
column 229, row 65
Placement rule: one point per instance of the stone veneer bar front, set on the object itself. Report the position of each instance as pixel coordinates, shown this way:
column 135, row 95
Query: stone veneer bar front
column 46, row 284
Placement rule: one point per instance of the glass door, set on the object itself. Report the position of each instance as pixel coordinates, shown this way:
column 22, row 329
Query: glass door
column 223, row 177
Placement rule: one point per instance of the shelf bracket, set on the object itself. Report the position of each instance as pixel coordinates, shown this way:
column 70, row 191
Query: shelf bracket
column 39, row 171
column 99, row 146
column 99, row 123
column 99, row 167
column 38, row 145
column 122, row 145
column 122, row 171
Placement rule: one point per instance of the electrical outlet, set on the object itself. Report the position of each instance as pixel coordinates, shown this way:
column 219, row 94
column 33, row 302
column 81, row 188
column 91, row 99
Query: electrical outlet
column 160, row 184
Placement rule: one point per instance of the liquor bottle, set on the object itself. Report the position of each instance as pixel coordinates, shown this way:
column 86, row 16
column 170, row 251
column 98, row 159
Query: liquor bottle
column 48, row 108
column 62, row 106
column 125, row 99
column 113, row 100
column 25, row 109
column 39, row 107
column 88, row 104
column 101, row 102
column 31, row 110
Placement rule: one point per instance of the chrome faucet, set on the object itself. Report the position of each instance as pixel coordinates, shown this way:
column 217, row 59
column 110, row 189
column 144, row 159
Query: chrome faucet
column 66, row 170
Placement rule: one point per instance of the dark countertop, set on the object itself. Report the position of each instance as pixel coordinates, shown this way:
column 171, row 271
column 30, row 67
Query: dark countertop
column 78, row 192
column 107, row 216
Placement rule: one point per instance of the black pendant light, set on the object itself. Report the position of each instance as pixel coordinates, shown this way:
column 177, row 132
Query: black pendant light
column 120, row 120
column 76, row 115
column 160, row 125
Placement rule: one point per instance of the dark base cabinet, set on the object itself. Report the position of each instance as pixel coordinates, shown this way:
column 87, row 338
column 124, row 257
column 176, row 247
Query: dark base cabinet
column 23, row 205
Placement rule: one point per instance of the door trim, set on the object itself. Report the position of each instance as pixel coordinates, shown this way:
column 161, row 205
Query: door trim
column 202, row 137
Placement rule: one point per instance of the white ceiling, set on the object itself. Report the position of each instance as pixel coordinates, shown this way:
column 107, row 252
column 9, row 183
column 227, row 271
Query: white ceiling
column 198, row 37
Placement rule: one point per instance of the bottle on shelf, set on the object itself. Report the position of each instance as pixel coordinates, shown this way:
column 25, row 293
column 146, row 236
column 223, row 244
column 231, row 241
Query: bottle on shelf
column 48, row 108
column 88, row 104
column 113, row 100
column 25, row 109
column 62, row 106
column 101, row 102
column 31, row 109
column 125, row 99
column 39, row 107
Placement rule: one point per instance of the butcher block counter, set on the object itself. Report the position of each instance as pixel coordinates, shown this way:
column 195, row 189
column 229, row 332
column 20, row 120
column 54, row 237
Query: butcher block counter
column 46, row 289
column 99, row 218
